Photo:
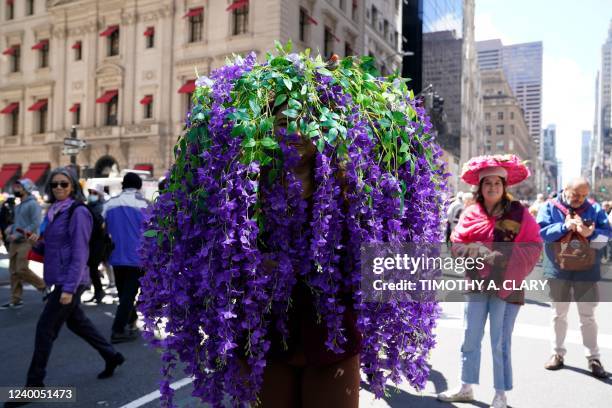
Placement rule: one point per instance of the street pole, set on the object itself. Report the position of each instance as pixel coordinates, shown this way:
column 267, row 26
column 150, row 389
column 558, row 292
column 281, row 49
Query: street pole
column 73, row 162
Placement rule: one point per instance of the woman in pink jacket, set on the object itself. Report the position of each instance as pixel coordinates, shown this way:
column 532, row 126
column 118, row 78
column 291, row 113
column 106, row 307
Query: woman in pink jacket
column 498, row 229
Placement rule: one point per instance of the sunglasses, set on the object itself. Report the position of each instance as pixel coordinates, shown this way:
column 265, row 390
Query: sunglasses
column 62, row 184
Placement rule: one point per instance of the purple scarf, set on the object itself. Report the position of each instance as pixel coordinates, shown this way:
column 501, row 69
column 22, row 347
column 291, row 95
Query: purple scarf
column 57, row 207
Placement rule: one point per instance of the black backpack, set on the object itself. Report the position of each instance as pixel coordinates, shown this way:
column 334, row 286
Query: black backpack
column 100, row 242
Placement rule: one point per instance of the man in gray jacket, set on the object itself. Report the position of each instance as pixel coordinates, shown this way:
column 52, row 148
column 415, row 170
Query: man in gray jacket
column 27, row 222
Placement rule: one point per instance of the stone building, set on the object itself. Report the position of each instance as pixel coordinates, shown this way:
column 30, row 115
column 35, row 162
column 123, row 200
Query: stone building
column 122, row 71
column 504, row 125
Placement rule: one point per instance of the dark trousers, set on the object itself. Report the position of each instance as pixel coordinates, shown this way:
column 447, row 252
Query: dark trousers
column 53, row 317
column 94, row 275
column 127, row 281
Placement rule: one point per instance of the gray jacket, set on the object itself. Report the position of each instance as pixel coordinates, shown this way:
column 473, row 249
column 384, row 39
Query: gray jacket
column 28, row 216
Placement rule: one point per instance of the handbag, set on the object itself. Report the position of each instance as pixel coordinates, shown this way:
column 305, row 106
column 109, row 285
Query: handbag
column 573, row 252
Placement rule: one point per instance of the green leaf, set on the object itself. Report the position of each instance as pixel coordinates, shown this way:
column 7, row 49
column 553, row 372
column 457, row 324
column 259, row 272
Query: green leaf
column 304, row 89
column 404, row 148
column 265, row 125
column 294, row 104
column 292, row 127
column 288, row 83
column 325, row 71
column 254, row 106
column 280, row 99
column 248, row 143
column 332, row 135
column 150, row 233
column 269, row 143
column 292, row 113
column 321, row 145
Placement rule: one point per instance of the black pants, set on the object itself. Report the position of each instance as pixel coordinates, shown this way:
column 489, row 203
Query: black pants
column 94, row 275
column 53, row 317
column 127, row 281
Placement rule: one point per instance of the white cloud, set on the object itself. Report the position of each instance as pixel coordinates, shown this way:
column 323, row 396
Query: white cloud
column 567, row 103
column 485, row 29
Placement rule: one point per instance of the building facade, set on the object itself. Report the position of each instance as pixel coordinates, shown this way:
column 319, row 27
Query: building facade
column 442, row 63
column 550, row 162
column 601, row 146
column 505, row 127
column 522, row 65
column 123, row 71
column 585, row 158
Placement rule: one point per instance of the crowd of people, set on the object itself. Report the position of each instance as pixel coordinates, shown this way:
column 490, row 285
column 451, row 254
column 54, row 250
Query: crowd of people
column 73, row 235
column 85, row 233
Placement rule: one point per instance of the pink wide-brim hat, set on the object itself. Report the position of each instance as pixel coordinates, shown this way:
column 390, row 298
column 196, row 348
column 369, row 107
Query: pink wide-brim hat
column 478, row 167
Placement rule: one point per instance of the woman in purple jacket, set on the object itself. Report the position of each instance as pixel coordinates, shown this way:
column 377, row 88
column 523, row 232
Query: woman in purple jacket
column 66, row 247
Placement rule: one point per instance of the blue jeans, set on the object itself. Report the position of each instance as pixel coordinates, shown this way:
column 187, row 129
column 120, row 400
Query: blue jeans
column 502, row 316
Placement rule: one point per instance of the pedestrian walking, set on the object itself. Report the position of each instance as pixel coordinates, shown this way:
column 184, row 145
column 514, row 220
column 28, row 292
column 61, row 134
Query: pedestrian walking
column 124, row 218
column 26, row 223
column 100, row 242
column 495, row 218
column 452, row 214
column 572, row 217
column 66, row 249
column 7, row 217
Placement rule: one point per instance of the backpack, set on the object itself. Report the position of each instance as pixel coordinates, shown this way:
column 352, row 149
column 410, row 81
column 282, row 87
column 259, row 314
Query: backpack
column 100, row 242
column 573, row 251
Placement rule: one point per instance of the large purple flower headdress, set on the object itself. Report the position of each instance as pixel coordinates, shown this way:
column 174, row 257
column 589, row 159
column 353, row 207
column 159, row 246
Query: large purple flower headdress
column 231, row 234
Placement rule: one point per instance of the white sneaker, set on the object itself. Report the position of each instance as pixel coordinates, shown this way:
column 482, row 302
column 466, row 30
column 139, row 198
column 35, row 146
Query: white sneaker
column 499, row 401
column 457, row 395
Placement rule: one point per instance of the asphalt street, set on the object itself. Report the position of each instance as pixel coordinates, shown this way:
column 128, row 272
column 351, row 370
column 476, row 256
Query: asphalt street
column 74, row 363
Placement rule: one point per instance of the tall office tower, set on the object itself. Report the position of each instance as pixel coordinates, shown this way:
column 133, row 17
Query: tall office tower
column 601, row 162
column 585, row 158
column 522, row 65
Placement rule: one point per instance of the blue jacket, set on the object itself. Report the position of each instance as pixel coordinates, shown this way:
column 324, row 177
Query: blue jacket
column 124, row 219
column 27, row 216
column 552, row 228
column 66, row 242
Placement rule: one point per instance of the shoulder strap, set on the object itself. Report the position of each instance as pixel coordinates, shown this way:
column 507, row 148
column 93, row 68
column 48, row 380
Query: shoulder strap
column 560, row 206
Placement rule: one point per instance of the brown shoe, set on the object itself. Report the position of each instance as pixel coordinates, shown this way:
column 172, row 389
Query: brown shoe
column 597, row 369
column 555, row 362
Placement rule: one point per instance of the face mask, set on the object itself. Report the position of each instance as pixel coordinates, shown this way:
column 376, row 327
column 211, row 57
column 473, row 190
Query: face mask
column 17, row 193
column 92, row 198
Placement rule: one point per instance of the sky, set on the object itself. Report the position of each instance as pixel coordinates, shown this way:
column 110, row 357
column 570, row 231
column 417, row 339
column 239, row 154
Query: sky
column 572, row 33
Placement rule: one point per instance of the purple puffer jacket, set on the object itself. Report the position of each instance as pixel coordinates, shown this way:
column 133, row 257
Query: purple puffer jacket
column 67, row 249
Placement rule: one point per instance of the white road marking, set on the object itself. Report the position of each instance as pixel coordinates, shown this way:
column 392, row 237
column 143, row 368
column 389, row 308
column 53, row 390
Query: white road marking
column 145, row 399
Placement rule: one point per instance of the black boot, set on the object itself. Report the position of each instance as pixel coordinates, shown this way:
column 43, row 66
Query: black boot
column 109, row 370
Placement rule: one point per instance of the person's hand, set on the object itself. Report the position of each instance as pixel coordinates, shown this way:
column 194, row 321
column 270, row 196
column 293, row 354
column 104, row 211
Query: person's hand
column 585, row 231
column 65, row 298
column 571, row 223
column 33, row 237
column 491, row 256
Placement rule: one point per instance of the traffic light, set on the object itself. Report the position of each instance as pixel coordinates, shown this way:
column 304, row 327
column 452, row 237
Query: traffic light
column 548, row 188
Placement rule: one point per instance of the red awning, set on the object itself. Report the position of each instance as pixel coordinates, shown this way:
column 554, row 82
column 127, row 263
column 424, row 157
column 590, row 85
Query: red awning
column 144, row 167
column 194, row 12
column 146, row 100
column 40, row 45
column 109, row 30
column 76, row 45
column 38, row 105
column 108, row 95
column 7, row 172
column 36, row 171
column 75, row 107
column 237, row 4
column 311, row 20
column 188, row 87
column 10, row 108
column 150, row 31
column 10, row 51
